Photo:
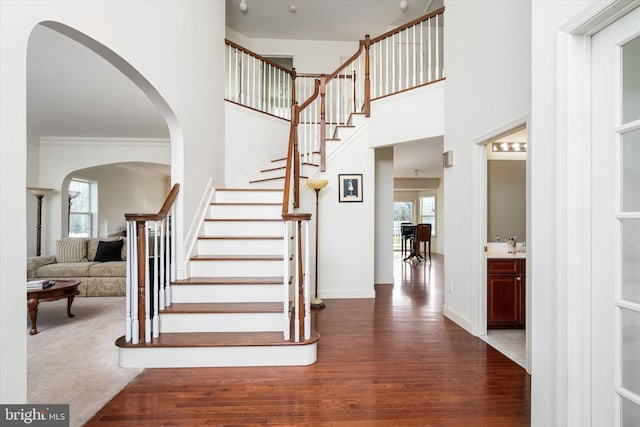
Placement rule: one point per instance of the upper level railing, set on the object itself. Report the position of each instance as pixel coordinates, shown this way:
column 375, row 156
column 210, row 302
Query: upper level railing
column 409, row 56
column 317, row 105
column 257, row 82
column 151, row 267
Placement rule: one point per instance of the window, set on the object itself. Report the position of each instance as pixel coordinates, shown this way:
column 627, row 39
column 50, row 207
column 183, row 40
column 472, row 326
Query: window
column 82, row 208
column 428, row 212
column 402, row 212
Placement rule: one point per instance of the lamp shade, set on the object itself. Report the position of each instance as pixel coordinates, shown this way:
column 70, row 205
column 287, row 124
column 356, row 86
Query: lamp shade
column 317, row 184
column 39, row 191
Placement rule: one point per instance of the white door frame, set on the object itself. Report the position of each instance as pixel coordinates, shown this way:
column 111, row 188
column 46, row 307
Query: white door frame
column 572, row 209
column 479, row 238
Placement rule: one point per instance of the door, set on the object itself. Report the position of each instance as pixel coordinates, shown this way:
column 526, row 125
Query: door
column 615, row 287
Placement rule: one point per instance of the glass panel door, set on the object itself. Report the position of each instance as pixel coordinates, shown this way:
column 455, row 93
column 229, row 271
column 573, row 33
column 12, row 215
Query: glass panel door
column 615, row 215
column 402, row 212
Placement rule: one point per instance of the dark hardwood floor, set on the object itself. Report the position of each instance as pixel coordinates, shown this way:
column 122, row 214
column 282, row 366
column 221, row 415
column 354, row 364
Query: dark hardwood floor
column 392, row 361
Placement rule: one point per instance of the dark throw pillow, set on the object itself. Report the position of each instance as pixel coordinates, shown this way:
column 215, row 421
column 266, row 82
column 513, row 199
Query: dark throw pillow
column 109, row 251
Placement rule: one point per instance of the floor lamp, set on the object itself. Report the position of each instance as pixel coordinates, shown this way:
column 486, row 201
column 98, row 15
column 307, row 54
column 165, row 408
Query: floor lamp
column 317, row 185
column 39, row 193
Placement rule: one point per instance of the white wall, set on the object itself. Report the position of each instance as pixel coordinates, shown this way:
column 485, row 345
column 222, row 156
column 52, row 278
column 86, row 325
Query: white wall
column 384, row 216
column 249, row 148
column 487, row 62
column 124, row 189
column 346, row 245
column 148, row 41
column 309, row 56
column 548, row 389
column 408, row 116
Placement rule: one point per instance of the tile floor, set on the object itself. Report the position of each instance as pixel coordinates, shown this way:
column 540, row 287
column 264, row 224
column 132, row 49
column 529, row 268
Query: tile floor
column 510, row 342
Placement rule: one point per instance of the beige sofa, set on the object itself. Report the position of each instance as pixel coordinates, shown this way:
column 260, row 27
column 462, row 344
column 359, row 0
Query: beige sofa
column 100, row 270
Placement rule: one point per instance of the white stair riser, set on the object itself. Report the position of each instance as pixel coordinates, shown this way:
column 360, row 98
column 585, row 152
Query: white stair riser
column 240, row 246
column 226, row 293
column 279, row 182
column 306, row 170
column 274, row 196
column 245, row 211
column 243, row 228
column 241, row 268
column 221, row 322
column 192, row 357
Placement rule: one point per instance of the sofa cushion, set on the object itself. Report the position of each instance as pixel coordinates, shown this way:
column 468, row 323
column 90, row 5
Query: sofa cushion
column 65, row 269
column 108, row 269
column 71, row 249
column 92, row 245
column 109, row 251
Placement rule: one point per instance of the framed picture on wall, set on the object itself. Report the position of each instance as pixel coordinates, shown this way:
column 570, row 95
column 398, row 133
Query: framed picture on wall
column 350, row 188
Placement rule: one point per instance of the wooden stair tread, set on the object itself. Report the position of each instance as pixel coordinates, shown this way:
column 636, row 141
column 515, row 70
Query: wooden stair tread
column 240, row 238
column 248, row 189
column 243, row 219
column 224, row 307
column 217, row 339
column 229, row 281
column 245, row 204
column 237, row 258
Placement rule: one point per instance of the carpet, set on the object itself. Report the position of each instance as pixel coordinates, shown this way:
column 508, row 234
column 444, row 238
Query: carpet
column 74, row 360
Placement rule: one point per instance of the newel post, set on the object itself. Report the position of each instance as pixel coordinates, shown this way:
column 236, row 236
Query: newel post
column 295, row 118
column 323, row 122
column 294, row 75
column 142, row 261
column 367, row 80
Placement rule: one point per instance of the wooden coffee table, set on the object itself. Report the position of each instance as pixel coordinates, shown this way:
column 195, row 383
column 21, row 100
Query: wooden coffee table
column 62, row 289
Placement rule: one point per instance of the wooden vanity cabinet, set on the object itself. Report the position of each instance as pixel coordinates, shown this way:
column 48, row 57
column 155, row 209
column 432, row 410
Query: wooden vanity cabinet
column 506, row 291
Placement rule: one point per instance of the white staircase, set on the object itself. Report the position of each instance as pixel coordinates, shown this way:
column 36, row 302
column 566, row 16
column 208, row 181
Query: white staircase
column 230, row 312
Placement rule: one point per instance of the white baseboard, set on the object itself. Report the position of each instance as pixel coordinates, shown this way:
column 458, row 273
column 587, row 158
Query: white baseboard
column 457, row 319
column 348, row 293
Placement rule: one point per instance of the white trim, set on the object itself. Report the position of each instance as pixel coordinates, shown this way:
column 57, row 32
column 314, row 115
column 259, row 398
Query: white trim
column 573, row 208
column 192, row 235
column 58, row 141
column 598, row 15
column 347, row 293
column 457, row 318
column 479, row 233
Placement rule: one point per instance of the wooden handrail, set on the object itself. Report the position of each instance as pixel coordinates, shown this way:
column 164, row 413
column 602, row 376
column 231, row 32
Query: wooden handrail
column 260, row 57
column 162, row 213
column 293, row 159
column 408, row 24
column 347, row 62
column 138, row 223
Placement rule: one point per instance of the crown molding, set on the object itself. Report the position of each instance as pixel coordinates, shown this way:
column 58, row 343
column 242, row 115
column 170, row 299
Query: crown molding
column 59, row 141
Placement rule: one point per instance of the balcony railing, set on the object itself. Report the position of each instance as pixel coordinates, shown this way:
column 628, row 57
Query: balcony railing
column 151, row 267
column 317, row 105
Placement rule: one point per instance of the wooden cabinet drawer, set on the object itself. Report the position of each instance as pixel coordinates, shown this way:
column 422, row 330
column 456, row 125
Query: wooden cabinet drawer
column 504, row 266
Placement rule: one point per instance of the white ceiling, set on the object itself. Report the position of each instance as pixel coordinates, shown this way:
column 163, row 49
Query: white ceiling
column 342, row 20
column 73, row 92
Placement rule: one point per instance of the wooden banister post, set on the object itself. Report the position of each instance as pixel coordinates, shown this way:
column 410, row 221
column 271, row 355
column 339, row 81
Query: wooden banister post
column 323, row 122
column 293, row 86
column 142, row 261
column 296, row 155
column 367, row 80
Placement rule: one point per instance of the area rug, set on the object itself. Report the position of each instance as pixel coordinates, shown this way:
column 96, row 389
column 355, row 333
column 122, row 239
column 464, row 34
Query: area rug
column 74, row 360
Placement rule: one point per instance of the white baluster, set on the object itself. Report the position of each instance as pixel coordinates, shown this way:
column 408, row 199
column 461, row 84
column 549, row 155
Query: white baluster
column 437, row 49
column 307, row 292
column 127, row 319
column 147, row 299
column 156, row 320
column 169, row 250
column 162, row 256
column 421, row 53
column 296, row 320
column 413, row 57
column 286, row 326
column 430, row 49
column 135, row 321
